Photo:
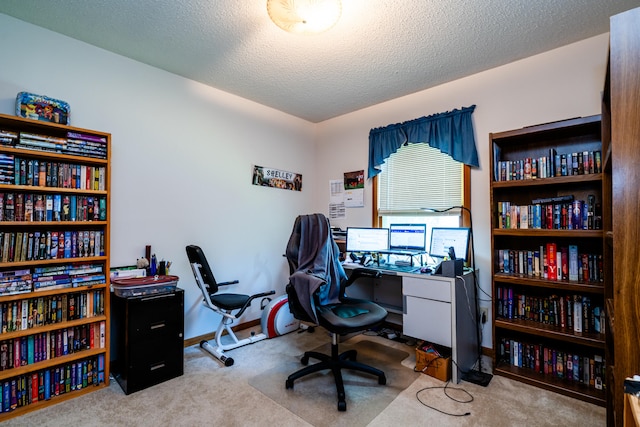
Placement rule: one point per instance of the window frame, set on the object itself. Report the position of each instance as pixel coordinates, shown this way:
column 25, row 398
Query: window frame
column 465, row 221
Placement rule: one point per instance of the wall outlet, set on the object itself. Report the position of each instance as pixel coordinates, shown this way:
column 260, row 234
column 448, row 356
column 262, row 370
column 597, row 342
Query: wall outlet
column 484, row 315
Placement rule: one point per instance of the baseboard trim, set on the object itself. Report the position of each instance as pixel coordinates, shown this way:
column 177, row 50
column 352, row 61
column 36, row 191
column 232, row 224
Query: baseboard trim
column 489, row 352
column 212, row 335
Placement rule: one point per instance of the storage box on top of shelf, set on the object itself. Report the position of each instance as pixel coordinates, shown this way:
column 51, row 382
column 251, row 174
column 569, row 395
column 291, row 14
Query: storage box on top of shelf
column 434, row 361
column 43, row 108
column 139, row 286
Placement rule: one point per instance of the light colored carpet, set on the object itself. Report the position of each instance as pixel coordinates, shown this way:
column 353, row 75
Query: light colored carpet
column 314, row 398
column 211, row 394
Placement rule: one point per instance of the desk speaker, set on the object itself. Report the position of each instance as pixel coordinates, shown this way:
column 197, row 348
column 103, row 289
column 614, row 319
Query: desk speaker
column 452, row 268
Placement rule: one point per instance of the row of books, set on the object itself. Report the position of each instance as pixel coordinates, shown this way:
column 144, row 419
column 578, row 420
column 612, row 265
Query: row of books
column 41, row 245
column 76, row 143
column 15, row 282
column 552, row 165
column 27, row 389
column 577, row 313
column 31, row 207
column 36, row 348
column 551, row 263
column 41, row 173
column 8, row 137
column 570, row 215
column 570, row 366
column 36, row 312
column 59, row 276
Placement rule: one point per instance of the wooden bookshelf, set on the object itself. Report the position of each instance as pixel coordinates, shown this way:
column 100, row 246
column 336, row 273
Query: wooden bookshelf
column 54, row 339
column 620, row 112
column 532, row 309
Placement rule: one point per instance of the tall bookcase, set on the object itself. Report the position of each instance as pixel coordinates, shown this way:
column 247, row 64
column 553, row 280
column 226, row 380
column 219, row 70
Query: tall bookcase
column 548, row 269
column 54, row 263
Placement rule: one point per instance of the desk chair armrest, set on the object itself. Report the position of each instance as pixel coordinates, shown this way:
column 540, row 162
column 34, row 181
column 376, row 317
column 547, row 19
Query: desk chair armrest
column 232, row 282
column 248, row 303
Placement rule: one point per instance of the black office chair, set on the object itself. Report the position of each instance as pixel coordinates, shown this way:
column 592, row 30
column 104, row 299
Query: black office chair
column 316, row 292
column 223, row 304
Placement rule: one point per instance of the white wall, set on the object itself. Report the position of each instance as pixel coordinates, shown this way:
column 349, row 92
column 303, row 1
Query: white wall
column 182, row 156
column 182, row 152
column 555, row 85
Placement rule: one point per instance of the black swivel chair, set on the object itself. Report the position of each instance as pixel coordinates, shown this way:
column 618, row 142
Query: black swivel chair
column 312, row 255
column 223, row 304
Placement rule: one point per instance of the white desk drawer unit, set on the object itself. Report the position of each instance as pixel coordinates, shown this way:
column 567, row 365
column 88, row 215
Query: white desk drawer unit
column 437, row 309
column 428, row 287
column 427, row 309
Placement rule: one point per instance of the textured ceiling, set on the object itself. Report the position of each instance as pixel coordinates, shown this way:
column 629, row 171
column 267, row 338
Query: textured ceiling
column 379, row 50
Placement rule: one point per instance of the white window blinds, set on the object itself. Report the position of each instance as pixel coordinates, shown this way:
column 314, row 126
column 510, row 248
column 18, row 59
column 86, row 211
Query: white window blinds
column 418, row 176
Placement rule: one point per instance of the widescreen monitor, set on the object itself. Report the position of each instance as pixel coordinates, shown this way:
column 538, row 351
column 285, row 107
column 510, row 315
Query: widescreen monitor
column 407, row 237
column 442, row 238
column 366, row 239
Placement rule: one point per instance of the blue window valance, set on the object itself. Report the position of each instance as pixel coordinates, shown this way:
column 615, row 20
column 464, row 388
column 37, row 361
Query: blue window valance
column 450, row 132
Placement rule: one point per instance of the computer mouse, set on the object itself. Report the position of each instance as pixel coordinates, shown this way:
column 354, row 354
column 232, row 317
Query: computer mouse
column 426, row 270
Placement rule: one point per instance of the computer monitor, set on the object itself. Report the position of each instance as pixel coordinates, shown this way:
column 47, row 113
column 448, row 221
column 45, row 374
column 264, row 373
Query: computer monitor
column 442, row 238
column 366, row 239
column 411, row 237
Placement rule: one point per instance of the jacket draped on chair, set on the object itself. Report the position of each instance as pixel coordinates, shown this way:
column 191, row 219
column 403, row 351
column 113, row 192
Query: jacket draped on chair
column 314, row 263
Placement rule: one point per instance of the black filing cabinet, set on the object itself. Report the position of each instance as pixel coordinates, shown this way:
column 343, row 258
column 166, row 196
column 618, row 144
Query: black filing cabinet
column 147, row 343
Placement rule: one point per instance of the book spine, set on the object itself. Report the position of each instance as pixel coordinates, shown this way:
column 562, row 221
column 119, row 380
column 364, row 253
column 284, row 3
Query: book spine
column 552, row 272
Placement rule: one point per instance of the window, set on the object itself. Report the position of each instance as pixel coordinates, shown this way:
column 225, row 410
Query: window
column 416, row 177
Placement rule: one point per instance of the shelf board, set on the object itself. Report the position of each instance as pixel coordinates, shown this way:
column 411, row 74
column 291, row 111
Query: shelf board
column 539, row 182
column 39, row 189
column 547, row 232
column 56, row 224
column 58, row 291
column 53, row 401
column 530, row 327
column 41, row 262
column 572, row 126
column 52, row 327
column 591, row 288
column 547, row 382
column 34, row 367
column 42, row 154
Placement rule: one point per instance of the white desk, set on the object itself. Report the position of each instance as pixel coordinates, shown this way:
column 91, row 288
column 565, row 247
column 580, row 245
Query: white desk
column 438, row 309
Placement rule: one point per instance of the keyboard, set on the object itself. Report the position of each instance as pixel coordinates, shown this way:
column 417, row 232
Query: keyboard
column 401, row 268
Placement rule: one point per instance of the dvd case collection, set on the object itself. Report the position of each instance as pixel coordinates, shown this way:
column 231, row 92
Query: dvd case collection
column 46, row 310
column 44, row 346
column 583, row 369
column 551, row 262
column 18, row 246
column 33, row 207
column 552, row 165
column 30, row 388
column 52, row 277
column 568, row 312
column 569, row 214
column 75, row 143
column 41, row 173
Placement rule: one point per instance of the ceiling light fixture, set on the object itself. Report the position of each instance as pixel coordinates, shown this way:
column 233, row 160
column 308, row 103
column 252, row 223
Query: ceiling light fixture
column 304, row 16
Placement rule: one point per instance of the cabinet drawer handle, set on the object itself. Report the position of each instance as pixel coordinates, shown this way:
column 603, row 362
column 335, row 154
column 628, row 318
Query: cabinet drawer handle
column 158, row 366
column 158, row 297
column 158, row 325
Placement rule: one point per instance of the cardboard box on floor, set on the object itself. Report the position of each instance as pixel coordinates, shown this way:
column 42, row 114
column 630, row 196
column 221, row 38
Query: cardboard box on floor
column 432, row 364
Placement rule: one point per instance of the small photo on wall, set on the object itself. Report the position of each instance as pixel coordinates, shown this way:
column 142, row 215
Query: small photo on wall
column 269, row 177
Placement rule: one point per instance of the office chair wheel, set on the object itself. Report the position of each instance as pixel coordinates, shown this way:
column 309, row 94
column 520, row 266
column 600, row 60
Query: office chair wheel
column 289, row 384
column 304, row 360
column 342, row 405
column 382, row 380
